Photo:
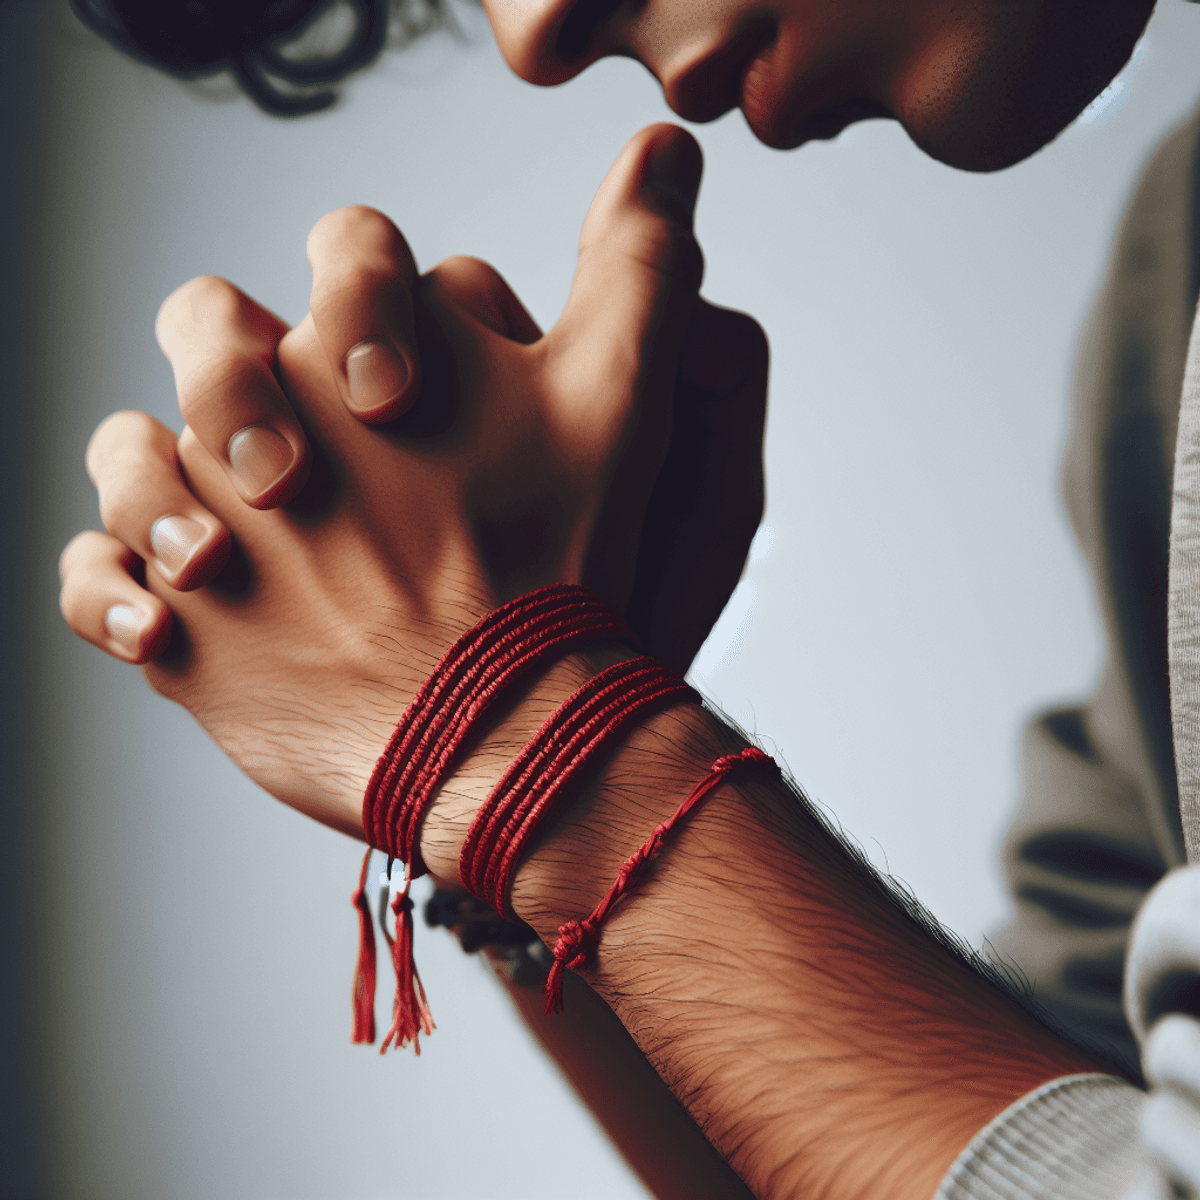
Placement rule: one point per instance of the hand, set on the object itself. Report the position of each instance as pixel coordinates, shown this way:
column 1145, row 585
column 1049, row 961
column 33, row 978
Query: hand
column 526, row 459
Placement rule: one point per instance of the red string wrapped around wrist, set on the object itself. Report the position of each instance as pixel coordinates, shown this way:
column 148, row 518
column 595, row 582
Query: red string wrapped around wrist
column 467, row 681
column 464, row 686
column 580, row 729
column 430, row 735
column 577, row 940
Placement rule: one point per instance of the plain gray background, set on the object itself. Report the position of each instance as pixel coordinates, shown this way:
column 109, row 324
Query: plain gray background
column 187, row 942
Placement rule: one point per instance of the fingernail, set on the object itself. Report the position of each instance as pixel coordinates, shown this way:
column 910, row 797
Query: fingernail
column 672, row 173
column 259, row 456
column 376, row 373
column 125, row 625
column 174, row 538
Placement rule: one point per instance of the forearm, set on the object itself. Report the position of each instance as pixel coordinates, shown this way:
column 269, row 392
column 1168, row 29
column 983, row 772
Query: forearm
column 823, row 1041
column 613, row 1078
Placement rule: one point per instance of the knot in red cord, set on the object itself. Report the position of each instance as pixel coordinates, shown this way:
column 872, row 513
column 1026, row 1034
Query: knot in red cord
column 575, row 944
column 577, row 940
column 652, row 848
column 573, row 947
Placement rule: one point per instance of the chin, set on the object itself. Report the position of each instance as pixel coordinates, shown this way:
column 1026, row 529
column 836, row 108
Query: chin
column 995, row 90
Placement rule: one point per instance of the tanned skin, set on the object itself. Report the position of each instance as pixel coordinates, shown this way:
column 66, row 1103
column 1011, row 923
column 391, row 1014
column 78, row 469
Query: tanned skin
column 818, row 1037
column 823, row 1041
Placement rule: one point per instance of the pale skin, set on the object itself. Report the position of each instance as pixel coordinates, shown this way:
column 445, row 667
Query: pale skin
column 822, row 1042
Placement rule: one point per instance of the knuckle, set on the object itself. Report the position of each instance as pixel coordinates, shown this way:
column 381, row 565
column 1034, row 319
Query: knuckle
column 116, row 434
column 121, row 504
column 211, row 383
column 466, row 267
column 209, row 310
column 207, row 297
column 361, row 222
column 357, row 241
column 79, row 563
column 666, row 248
column 343, row 222
column 475, row 286
column 74, row 604
column 76, row 551
column 213, row 295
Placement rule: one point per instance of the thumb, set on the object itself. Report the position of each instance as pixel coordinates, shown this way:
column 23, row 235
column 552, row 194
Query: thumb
column 635, row 287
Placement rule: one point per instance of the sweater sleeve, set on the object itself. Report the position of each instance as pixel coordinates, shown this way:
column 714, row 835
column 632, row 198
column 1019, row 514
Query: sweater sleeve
column 1074, row 1138
column 1097, row 1137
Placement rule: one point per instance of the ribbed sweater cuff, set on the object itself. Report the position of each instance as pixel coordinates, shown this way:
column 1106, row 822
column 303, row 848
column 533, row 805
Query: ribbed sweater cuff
column 1074, row 1138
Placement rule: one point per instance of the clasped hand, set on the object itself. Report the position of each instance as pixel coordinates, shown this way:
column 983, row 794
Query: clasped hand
column 350, row 495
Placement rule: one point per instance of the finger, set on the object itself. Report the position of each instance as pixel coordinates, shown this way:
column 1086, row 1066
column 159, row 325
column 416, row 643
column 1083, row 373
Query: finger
column 221, row 345
column 639, row 271
column 477, row 288
column 363, row 276
column 104, row 604
column 708, row 499
column 145, row 503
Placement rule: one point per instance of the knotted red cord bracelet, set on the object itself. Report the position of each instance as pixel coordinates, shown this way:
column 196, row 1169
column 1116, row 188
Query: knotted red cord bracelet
column 467, row 680
column 577, row 940
column 463, row 687
column 581, row 728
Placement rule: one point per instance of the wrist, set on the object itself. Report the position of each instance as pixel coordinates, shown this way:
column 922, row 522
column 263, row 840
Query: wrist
column 574, row 861
column 484, row 762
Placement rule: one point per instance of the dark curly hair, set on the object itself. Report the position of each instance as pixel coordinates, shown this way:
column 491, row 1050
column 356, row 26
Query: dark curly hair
column 194, row 38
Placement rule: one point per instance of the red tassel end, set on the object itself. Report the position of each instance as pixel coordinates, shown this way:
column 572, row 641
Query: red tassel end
column 410, row 1009
column 363, row 991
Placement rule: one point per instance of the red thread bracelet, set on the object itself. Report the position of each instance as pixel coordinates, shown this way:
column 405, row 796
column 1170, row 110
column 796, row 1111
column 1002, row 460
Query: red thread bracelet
column 468, row 679
column 581, row 728
column 577, row 940
column 466, row 682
